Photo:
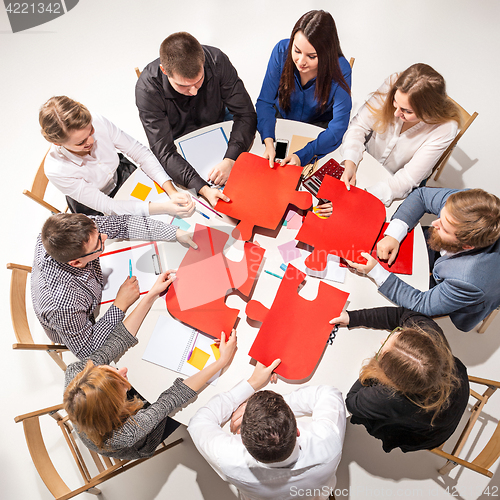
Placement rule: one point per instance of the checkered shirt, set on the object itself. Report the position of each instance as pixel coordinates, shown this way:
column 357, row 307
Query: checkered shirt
column 65, row 297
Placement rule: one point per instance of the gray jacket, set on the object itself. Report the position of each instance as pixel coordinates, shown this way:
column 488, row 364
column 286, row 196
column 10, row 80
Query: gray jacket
column 468, row 283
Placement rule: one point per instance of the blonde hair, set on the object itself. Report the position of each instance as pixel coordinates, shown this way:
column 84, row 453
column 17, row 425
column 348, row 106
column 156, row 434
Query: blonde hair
column 476, row 215
column 95, row 402
column 60, row 115
column 419, row 365
column 426, row 92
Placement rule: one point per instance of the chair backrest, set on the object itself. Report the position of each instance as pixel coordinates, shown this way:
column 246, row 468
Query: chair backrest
column 20, row 318
column 137, row 72
column 491, row 451
column 39, row 187
column 105, row 468
column 467, row 120
column 351, row 61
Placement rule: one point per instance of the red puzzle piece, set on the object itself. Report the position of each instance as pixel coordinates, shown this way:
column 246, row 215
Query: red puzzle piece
column 404, row 260
column 204, row 278
column 295, row 329
column 352, row 228
column 260, row 195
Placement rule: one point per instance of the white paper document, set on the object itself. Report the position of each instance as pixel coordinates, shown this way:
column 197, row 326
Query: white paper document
column 204, row 151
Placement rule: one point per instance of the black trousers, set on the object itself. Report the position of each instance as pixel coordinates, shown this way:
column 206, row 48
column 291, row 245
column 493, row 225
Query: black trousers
column 125, row 169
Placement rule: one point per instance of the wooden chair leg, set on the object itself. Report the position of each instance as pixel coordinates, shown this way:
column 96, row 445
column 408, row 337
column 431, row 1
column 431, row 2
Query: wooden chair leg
column 487, row 321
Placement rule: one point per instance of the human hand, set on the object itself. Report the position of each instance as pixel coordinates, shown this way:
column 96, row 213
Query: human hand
column 236, row 418
column 227, row 349
column 292, row 159
column 185, row 238
column 324, row 209
column 213, row 195
column 184, row 204
column 219, row 174
column 262, row 375
column 363, row 268
column 270, row 152
column 349, row 174
column 127, row 294
column 162, row 283
column 342, row 320
column 387, row 249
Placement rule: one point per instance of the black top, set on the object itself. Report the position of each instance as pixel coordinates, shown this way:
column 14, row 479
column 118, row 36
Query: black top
column 167, row 115
column 387, row 414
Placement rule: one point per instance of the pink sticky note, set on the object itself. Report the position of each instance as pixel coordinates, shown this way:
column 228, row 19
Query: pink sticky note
column 289, row 251
column 295, row 222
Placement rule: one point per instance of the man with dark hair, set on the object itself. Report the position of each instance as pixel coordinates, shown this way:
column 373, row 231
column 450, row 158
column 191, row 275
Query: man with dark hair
column 464, row 255
column 67, row 281
column 270, row 455
column 187, row 88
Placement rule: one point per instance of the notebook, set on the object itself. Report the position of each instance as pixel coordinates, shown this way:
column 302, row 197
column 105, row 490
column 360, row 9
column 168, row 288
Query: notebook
column 181, row 348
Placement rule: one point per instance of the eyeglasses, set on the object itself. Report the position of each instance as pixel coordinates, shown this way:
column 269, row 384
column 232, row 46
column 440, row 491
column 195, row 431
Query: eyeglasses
column 396, row 330
column 100, row 249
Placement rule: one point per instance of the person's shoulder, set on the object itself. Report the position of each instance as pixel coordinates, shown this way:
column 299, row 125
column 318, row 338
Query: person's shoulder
column 151, row 76
column 282, row 45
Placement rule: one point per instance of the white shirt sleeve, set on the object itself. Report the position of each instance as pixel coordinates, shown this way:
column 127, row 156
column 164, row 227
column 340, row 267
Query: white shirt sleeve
column 324, row 403
column 398, row 229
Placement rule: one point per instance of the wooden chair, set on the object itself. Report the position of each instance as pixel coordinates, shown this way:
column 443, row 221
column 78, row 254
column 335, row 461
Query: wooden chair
column 105, row 467
column 138, row 72
column 20, row 318
column 351, row 61
column 491, row 452
column 488, row 320
column 467, row 120
column 39, row 187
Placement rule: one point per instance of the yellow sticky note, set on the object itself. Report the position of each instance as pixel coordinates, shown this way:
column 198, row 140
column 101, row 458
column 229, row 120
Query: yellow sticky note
column 215, row 350
column 141, row 191
column 159, row 188
column 198, row 358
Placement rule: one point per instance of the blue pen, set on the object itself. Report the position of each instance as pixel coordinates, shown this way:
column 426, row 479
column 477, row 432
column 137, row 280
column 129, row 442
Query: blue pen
column 272, row 274
column 201, row 213
column 130, row 268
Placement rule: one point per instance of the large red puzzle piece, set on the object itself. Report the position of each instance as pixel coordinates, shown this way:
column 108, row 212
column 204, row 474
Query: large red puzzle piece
column 295, row 329
column 260, row 195
column 204, row 278
column 404, row 260
column 352, row 228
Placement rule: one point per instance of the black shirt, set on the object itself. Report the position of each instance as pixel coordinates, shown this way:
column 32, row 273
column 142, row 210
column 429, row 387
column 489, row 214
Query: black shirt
column 167, row 115
column 387, row 414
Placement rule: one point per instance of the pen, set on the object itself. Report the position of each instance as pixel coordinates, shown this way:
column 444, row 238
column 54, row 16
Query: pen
column 130, row 268
column 201, row 213
column 209, row 208
column 194, row 343
column 272, row 274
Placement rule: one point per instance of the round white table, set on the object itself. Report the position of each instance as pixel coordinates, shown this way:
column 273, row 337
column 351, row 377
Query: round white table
column 340, row 363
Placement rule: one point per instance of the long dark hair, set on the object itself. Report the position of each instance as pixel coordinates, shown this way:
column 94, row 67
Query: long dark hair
column 319, row 28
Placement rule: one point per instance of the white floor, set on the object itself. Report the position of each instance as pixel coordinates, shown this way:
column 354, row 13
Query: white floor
column 90, row 54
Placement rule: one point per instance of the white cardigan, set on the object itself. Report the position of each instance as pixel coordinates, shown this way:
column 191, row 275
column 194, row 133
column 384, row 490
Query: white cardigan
column 409, row 156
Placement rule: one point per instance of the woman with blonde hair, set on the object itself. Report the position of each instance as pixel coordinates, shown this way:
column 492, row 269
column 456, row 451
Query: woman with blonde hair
column 308, row 79
column 110, row 417
column 86, row 163
column 413, row 392
column 406, row 125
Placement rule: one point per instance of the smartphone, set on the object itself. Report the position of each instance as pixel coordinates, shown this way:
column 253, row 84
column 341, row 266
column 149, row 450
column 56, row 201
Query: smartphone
column 281, row 149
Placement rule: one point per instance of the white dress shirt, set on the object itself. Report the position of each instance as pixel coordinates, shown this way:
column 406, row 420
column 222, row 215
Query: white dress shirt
column 89, row 179
column 308, row 473
column 409, row 156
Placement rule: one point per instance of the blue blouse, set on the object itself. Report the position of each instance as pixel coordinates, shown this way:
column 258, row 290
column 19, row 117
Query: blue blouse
column 303, row 106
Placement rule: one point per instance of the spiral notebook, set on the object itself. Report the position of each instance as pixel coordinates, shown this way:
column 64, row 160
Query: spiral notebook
column 181, row 348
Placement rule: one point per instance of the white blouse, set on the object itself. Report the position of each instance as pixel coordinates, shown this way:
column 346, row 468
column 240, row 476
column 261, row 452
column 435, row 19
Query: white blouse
column 409, row 156
column 89, row 179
